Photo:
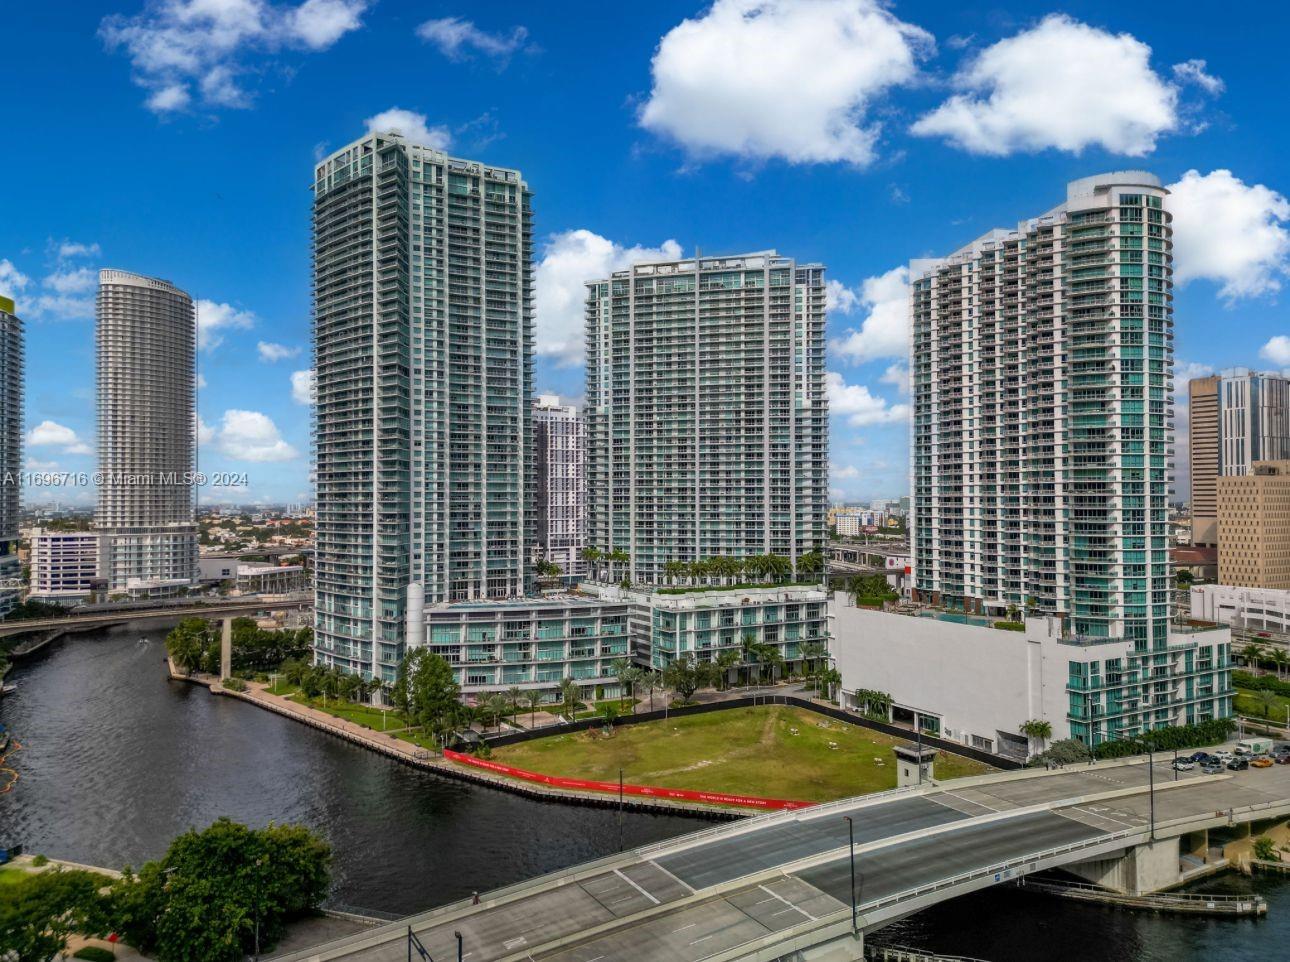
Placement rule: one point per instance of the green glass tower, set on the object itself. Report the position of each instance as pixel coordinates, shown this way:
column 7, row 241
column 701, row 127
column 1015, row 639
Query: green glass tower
column 423, row 351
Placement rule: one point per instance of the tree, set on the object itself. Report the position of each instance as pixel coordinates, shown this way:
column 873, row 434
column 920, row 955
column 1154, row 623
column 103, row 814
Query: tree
column 1280, row 660
column 675, row 570
column 513, row 697
column 811, row 652
column 496, row 705
column 187, row 644
column 534, row 698
column 811, row 563
column 610, row 711
column 1252, row 654
column 726, row 661
column 1267, row 701
column 39, row 912
column 830, row 678
column 1037, row 730
column 569, row 693
column 592, row 556
column 426, row 691
column 220, row 893
column 683, row 676
column 617, row 557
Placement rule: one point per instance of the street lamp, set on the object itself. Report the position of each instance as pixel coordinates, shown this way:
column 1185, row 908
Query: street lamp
column 1151, row 782
column 851, row 838
column 259, row 887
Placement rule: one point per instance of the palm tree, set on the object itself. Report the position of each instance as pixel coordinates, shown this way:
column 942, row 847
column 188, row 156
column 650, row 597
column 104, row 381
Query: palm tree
column 725, row 661
column 778, row 567
column 496, row 705
column 675, row 570
column 569, row 695
column 1280, row 660
column 534, row 698
column 592, row 556
column 811, row 563
column 1268, row 700
column 617, row 556
column 1037, row 730
column 811, row 652
column 514, row 695
column 1253, row 654
column 747, row 654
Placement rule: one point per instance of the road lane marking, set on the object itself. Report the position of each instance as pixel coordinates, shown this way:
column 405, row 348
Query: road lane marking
column 684, row 927
column 636, row 887
column 687, row 886
column 795, row 908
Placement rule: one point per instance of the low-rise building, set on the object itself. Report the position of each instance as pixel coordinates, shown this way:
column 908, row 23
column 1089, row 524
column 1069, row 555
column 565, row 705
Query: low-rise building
column 1255, row 609
column 671, row 623
column 64, row 565
column 531, row 644
column 963, row 679
column 269, row 579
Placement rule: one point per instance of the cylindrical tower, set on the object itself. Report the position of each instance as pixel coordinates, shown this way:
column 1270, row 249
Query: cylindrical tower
column 146, row 343
column 11, row 382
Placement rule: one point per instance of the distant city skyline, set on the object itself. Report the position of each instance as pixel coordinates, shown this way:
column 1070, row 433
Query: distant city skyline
column 871, row 172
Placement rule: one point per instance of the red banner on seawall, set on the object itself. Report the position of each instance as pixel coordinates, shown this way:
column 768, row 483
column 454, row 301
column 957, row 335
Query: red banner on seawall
column 647, row 791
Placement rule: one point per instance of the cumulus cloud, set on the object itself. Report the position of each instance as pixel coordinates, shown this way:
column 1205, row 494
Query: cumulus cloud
column 250, row 436
column 270, row 352
column 205, row 433
column 843, row 472
column 302, row 386
column 860, row 407
column 1194, row 72
column 885, row 329
column 67, row 249
column 897, row 375
column 781, row 79
column 76, row 280
column 214, row 317
column 1277, row 350
column 1229, row 232
column 51, row 434
column 12, row 280
column 459, row 39
column 569, row 260
column 201, row 381
column 412, row 126
column 184, row 49
column 1060, row 84
column 67, row 292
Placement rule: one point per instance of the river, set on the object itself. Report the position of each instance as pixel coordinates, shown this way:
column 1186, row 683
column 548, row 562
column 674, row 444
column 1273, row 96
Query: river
column 116, row 761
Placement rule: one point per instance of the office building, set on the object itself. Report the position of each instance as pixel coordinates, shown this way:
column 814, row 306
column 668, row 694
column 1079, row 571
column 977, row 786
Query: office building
column 64, row 565
column 422, row 318
column 1237, row 419
column 1203, row 452
column 560, row 493
column 1255, row 612
column 147, row 367
column 1041, row 371
column 707, row 415
column 1254, row 527
column 11, row 397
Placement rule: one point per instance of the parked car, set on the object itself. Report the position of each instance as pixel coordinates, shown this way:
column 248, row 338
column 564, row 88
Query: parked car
column 1212, row 766
column 1184, row 765
column 1199, row 757
column 1261, row 761
column 1238, row 764
column 1283, row 758
column 1223, row 755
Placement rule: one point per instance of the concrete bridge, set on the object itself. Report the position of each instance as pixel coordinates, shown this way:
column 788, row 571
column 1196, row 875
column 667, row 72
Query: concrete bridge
column 106, row 615
column 779, row 887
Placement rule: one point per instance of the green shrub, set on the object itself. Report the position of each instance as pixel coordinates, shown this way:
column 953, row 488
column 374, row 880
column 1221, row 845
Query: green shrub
column 1068, row 751
column 235, row 684
column 1243, row 679
column 1266, row 850
column 40, row 861
column 1211, row 732
column 94, row 954
column 1009, row 626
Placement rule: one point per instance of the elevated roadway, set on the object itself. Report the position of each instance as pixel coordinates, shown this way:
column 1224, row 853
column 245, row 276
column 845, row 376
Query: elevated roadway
column 779, row 886
column 105, row 616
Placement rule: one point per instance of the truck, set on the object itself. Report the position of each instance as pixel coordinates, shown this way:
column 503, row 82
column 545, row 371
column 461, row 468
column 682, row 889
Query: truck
column 1254, row 746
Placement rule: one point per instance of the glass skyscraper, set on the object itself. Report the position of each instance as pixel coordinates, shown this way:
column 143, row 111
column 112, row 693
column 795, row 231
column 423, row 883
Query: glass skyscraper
column 1041, row 371
column 423, row 356
column 11, row 397
column 706, row 410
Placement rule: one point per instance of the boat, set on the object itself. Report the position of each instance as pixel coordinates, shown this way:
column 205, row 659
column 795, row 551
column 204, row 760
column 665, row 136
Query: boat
column 8, row 689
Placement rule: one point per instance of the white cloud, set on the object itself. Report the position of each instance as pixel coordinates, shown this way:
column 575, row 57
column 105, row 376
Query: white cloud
column 201, row 381
column 838, row 298
column 897, row 375
column 779, row 78
column 1060, row 84
column 213, row 317
column 68, row 249
column 412, row 126
column 51, row 434
column 31, row 464
column 885, row 330
column 1229, row 232
column 1185, row 371
column 12, row 280
column 251, row 436
column 456, row 38
column 569, row 260
column 1193, row 71
column 302, row 387
column 182, row 48
column 1277, row 350
column 72, row 280
column 843, row 472
column 858, row 406
column 205, row 433
column 270, row 352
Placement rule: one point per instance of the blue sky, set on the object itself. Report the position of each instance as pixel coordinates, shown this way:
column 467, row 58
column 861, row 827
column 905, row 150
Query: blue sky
column 176, row 138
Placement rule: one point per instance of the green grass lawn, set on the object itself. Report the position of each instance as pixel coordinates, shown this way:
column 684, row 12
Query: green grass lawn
column 624, row 706
column 352, row 711
column 1249, row 702
column 11, row 876
column 776, row 751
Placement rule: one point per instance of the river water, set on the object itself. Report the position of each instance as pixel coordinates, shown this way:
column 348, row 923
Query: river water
column 116, row 761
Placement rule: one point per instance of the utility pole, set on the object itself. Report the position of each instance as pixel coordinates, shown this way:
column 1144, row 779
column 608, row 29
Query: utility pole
column 851, row 837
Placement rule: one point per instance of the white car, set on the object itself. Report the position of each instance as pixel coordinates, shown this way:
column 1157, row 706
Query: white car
column 1222, row 755
column 1184, row 765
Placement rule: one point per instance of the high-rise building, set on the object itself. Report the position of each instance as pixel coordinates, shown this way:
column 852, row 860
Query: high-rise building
column 1254, row 527
column 1236, row 419
column 64, row 565
column 422, row 275
column 560, row 493
column 1041, row 372
column 11, row 392
column 707, row 415
column 147, row 417
column 1203, row 454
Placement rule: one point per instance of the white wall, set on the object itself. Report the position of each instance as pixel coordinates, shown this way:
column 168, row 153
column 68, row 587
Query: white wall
column 977, row 680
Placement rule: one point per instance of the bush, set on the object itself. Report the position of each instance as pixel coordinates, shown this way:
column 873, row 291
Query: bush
column 94, row 954
column 1211, row 732
column 40, row 861
column 1068, row 751
column 1243, row 679
column 1265, row 850
column 235, row 684
column 1009, row 626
